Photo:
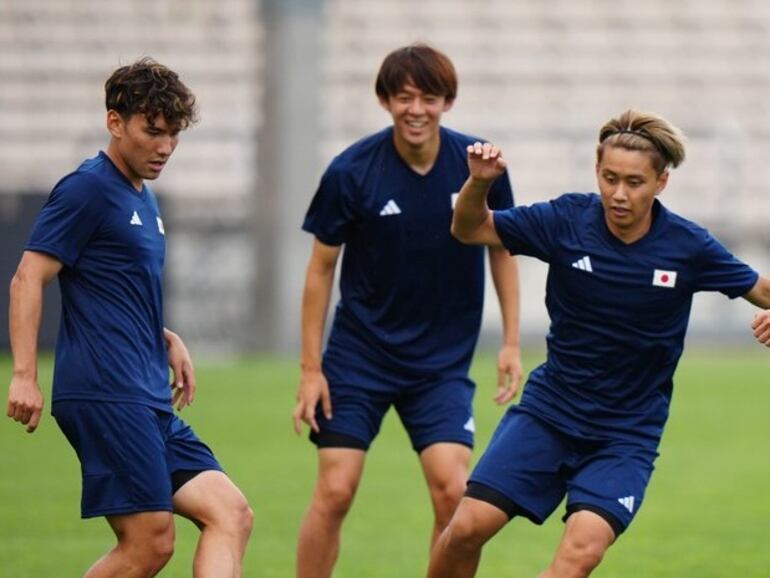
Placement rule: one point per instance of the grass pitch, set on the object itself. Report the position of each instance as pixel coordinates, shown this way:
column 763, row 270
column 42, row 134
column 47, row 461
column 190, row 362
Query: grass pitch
column 705, row 514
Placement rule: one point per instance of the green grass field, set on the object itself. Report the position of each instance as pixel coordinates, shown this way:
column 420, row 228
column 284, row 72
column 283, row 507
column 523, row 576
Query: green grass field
column 706, row 512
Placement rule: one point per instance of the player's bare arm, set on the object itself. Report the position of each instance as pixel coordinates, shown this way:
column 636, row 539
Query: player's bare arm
column 35, row 271
column 181, row 365
column 505, row 275
column 313, row 387
column 760, row 296
column 472, row 222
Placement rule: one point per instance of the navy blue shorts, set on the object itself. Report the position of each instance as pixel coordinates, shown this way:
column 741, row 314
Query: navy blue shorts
column 432, row 409
column 530, row 466
column 128, row 454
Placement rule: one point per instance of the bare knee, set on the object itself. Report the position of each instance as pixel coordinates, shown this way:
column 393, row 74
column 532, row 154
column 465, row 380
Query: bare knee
column 334, row 498
column 578, row 556
column 243, row 518
column 161, row 549
column 464, row 535
column 446, row 495
column 149, row 551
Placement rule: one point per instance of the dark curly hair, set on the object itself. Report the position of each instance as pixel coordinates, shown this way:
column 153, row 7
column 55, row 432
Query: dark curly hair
column 150, row 88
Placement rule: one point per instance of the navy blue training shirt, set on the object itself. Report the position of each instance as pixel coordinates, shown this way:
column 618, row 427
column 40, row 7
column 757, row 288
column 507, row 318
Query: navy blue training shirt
column 110, row 239
column 411, row 294
column 618, row 312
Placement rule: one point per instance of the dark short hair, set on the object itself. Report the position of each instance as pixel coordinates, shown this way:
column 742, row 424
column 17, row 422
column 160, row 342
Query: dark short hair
column 150, row 88
column 421, row 65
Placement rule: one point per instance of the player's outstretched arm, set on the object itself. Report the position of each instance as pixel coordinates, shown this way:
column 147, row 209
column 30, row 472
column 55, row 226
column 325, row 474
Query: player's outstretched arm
column 179, row 360
column 35, row 271
column 313, row 387
column 472, row 222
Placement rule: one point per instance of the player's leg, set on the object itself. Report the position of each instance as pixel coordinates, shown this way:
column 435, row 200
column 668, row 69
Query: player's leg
column 587, row 536
column 125, row 479
column 457, row 551
column 438, row 416
column 207, row 496
column 518, row 475
column 339, row 473
column 342, row 444
column 145, row 545
column 220, row 510
column 604, row 494
column 445, row 466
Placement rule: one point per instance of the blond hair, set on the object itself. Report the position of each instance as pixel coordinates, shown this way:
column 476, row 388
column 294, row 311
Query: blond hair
column 647, row 132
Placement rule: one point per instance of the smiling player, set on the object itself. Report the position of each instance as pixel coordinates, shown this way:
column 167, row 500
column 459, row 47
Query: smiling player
column 410, row 310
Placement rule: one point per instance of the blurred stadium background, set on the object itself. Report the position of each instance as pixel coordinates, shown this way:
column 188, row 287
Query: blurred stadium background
column 284, row 85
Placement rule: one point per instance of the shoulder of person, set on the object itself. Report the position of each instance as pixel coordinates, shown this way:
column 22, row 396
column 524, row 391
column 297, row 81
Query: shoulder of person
column 683, row 228
column 353, row 164
column 568, row 202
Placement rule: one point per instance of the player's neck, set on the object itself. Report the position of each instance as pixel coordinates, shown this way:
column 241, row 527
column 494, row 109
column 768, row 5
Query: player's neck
column 117, row 159
column 420, row 157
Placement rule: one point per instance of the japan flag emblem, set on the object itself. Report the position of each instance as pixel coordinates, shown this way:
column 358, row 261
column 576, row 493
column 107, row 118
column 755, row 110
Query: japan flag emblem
column 664, row 278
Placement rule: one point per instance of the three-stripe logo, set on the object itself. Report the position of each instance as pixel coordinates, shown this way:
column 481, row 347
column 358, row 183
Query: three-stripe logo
column 390, row 208
column 584, row 264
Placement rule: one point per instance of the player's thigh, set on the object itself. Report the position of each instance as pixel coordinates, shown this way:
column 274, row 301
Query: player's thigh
column 358, row 409
column 122, row 455
column 612, row 482
column 186, row 454
column 446, row 465
column 211, row 498
column 523, row 470
column 150, row 531
column 339, row 473
column 436, row 411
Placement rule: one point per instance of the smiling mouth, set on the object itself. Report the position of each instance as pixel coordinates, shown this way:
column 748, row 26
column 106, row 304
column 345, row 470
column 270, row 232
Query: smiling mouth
column 415, row 124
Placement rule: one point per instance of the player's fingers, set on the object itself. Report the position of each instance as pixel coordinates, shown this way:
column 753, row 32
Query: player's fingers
column 177, row 396
column 326, row 404
column 762, row 334
column 34, row 420
column 190, row 383
column 309, row 418
column 296, row 417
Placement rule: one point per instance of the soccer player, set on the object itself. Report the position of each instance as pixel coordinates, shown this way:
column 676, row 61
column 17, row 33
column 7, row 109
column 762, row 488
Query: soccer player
column 411, row 299
column 622, row 273
column 101, row 233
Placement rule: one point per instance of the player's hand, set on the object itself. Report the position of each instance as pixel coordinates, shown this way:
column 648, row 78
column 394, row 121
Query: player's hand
column 25, row 402
column 313, row 388
column 509, row 373
column 761, row 327
column 485, row 161
column 181, row 365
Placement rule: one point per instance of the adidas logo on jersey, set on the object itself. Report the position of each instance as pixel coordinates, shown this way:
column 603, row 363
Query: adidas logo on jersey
column 390, row 208
column 135, row 220
column 627, row 503
column 584, row 264
column 470, row 425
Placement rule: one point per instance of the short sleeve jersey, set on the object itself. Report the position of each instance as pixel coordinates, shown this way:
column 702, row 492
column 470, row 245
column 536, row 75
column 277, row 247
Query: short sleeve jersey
column 111, row 242
column 619, row 312
column 411, row 294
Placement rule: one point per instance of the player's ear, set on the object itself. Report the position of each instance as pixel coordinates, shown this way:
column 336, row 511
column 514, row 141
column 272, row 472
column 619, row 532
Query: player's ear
column 384, row 102
column 448, row 104
column 115, row 123
column 662, row 182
